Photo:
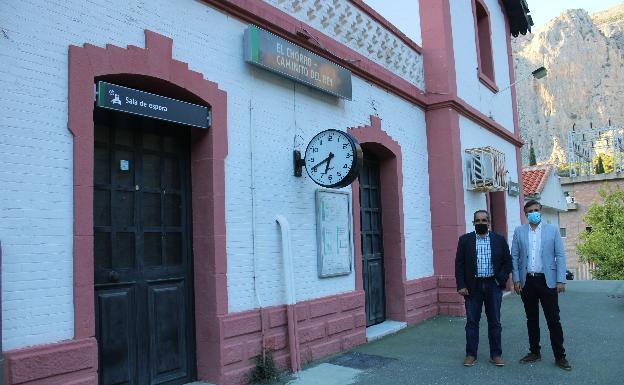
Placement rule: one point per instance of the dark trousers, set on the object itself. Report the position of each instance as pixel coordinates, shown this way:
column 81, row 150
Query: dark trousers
column 486, row 292
column 535, row 291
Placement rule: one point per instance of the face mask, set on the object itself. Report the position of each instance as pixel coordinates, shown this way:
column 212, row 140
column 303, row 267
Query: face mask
column 481, row 228
column 535, row 218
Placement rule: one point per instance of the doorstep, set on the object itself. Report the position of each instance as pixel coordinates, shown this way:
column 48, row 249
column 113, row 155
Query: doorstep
column 375, row 332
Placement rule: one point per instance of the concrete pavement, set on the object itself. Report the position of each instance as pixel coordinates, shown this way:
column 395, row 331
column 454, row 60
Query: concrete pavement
column 592, row 315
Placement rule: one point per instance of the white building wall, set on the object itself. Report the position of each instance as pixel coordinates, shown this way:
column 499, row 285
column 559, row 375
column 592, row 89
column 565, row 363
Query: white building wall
column 471, row 136
column 36, row 201
column 550, row 216
column 469, row 88
column 552, row 193
column 274, row 112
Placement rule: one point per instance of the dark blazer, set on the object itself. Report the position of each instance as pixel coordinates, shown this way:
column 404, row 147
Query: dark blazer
column 466, row 260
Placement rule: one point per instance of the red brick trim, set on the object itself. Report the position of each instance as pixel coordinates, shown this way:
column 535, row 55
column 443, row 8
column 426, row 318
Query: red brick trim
column 438, row 54
column 449, row 301
column 281, row 24
column 382, row 20
column 421, row 297
column 63, row 363
column 484, row 78
column 325, row 326
column 155, row 69
column 372, row 138
column 459, row 105
column 486, row 81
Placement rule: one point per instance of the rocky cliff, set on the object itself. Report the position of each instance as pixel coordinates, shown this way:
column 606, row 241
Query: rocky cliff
column 584, row 55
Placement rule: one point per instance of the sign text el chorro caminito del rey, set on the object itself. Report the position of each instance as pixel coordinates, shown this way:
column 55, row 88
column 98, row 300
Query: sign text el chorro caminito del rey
column 285, row 58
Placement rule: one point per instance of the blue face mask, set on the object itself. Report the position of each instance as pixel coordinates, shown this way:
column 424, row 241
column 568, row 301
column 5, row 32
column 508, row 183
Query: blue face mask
column 535, row 218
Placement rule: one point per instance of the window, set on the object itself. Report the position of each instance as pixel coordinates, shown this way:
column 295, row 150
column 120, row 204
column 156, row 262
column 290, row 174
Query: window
column 562, row 230
column 484, row 44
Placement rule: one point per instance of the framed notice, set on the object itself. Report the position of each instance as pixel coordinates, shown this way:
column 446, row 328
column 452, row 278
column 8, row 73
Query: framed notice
column 333, row 230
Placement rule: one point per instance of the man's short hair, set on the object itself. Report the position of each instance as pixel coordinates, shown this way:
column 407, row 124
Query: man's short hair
column 531, row 203
column 487, row 215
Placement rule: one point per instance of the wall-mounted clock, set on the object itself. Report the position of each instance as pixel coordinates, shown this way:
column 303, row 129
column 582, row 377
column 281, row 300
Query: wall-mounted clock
column 333, row 158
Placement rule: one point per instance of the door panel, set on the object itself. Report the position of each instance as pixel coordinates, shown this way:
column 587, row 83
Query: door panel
column 167, row 330
column 372, row 247
column 115, row 323
column 142, row 251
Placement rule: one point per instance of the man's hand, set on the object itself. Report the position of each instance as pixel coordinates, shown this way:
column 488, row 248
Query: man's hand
column 518, row 287
column 463, row 292
column 560, row 287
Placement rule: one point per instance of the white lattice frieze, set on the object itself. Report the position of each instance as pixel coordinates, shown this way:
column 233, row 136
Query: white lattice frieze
column 351, row 26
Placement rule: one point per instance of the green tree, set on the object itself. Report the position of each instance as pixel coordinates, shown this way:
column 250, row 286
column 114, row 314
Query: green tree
column 532, row 160
column 607, row 162
column 599, row 166
column 604, row 244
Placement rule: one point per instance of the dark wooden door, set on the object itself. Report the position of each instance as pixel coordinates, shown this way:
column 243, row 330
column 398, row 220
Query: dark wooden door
column 372, row 245
column 142, row 251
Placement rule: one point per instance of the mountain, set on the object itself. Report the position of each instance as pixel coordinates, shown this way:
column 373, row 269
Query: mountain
column 584, row 55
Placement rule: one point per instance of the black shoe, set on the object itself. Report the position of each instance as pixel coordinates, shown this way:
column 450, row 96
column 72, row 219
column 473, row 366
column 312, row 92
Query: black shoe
column 530, row 358
column 563, row 364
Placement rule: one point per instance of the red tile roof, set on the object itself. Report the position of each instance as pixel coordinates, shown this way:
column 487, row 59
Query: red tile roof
column 534, row 179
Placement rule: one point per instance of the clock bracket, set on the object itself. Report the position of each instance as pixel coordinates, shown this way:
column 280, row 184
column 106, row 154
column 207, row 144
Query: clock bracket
column 298, row 162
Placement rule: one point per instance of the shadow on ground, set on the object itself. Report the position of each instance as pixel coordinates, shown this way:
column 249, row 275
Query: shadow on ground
column 592, row 315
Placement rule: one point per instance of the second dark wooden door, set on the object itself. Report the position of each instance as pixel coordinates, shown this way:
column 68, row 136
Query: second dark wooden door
column 143, row 285
column 372, row 245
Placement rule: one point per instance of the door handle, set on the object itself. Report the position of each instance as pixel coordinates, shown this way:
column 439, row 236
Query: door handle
column 113, row 276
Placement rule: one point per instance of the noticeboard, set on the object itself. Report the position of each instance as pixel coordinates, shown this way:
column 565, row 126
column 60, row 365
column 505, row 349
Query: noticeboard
column 334, row 229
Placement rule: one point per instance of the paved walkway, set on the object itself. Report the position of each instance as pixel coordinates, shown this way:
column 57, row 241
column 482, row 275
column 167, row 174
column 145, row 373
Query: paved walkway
column 592, row 314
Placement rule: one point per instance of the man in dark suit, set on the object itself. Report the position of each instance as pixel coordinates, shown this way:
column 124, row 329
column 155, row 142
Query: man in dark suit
column 482, row 267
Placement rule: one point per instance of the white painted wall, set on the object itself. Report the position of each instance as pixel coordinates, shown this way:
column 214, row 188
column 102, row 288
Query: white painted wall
column 36, row 201
column 552, row 193
column 281, row 109
column 469, row 88
column 550, row 216
column 472, row 135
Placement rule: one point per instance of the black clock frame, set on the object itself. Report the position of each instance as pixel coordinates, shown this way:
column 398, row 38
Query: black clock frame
column 356, row 163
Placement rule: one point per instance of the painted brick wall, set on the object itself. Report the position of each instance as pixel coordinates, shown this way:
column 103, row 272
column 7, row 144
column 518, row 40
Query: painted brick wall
column 325, row 326
column 274, row 113
column 469, row 87
column 421, row 299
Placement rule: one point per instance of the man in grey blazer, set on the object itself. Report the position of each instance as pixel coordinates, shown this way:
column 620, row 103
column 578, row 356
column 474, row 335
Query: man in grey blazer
column 539, row 274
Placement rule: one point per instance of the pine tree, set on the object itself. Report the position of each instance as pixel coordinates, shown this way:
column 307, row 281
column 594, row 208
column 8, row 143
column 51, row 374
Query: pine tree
column 600, row 167
column 532, row 160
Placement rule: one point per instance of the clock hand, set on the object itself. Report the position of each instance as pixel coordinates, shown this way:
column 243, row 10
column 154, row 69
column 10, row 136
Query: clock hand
column 329, row 158
column 323, row 161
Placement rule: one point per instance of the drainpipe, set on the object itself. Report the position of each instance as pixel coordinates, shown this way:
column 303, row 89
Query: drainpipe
column 293, row 339
column 1, row 355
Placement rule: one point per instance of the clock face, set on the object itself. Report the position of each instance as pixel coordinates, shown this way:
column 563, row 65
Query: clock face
column 333, row 159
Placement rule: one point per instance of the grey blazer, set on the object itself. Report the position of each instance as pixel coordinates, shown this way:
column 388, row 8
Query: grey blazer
column 553, row 256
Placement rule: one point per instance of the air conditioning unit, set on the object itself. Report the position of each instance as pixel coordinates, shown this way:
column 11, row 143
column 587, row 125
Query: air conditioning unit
column 486, row 169
column 482, row 168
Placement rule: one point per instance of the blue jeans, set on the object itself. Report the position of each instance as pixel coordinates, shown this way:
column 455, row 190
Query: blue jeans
column 486, row 292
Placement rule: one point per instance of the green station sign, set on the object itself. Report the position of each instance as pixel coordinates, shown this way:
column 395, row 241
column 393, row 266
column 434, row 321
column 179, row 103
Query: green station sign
column 142, row 103
column 278, row 55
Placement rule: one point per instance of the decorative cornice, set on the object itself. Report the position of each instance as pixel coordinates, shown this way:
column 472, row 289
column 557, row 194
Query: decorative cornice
column 281, row 24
